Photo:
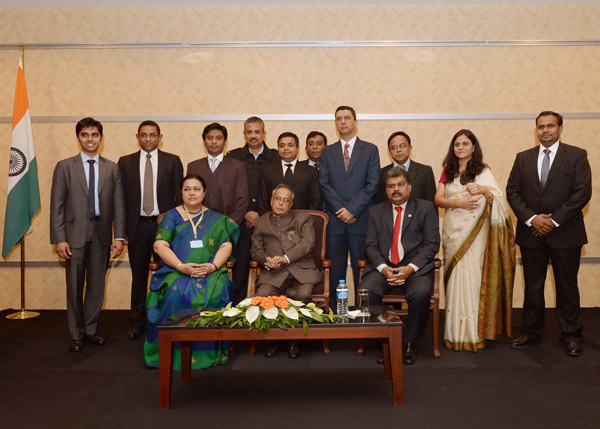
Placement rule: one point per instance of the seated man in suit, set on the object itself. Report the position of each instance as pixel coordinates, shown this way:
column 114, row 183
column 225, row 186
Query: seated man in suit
column 303, row 180
column 423, row 181
column 315, row 143
column 282, row 244
column 402, row 240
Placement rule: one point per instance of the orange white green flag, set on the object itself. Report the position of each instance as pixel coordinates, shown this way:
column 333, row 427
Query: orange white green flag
column 23, row 196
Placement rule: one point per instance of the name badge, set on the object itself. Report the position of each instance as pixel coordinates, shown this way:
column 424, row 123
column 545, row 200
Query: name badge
column 196, row 244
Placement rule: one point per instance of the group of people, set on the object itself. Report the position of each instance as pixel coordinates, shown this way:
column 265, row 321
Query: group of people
column 238, row 205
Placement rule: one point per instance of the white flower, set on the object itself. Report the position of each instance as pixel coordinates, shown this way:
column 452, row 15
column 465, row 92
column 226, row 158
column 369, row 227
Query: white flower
column 305, row 312
column 272, row 313
column 296, row 303
column 318, row 310
column 232, row 312
column 291, row 313
column 252, row 313
column 245, row 303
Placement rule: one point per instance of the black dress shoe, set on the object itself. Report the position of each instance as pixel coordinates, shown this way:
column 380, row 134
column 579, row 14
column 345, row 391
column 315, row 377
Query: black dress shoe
column 523, row 341
column 409, row 356
column 294, row 351
column 379, row 360
column 134, row 332
column 76, row 346
column 96, row 340
column 272, row 350
column 574, row 349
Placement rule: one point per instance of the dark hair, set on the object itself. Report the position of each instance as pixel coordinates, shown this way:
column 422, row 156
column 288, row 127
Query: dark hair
column 397, row 172
column 288, row 134
column 314, row 134
column 192, row 176
column 87, row 123
column 558, row 117
column 475, row 165
column 253, row 119
column 399, row 133
column 149, row 123
column 214, row 126
column 282, row 186
column 346, row 108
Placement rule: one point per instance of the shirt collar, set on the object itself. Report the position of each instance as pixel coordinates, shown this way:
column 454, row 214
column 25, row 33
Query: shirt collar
column 350, row 142
column 262, row 149
column 553, row 148
column 219, row 157
column 85, row 157
column 291, row 162
column 153, row 154
column 406, row 164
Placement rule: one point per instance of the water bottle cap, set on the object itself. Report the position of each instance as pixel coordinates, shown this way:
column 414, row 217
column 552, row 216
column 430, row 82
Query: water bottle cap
column 343, row 281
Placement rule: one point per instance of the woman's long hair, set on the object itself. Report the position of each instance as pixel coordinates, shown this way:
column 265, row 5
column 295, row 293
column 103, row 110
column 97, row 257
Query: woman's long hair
column 475, row 165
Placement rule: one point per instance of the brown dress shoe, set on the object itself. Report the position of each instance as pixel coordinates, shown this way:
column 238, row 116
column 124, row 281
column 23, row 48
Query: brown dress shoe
column 272, row 350
column 96, row 340
column 574, row 349
column 76, row 346
column 523, row 341
column 294, row 351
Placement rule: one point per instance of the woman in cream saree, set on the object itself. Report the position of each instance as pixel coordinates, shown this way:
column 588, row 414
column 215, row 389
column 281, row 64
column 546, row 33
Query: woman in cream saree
column 479, row 249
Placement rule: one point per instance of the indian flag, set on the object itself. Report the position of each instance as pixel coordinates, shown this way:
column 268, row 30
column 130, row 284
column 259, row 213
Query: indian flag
column 23, row 200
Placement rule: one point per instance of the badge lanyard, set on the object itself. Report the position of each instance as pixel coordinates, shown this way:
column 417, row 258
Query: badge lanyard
column 194, row 225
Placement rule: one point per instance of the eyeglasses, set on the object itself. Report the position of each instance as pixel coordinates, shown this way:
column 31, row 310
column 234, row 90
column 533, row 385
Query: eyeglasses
column 280, row 199
column 145, row 136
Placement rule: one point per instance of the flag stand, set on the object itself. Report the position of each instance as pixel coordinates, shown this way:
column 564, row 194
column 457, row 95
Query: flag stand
column 23, row 314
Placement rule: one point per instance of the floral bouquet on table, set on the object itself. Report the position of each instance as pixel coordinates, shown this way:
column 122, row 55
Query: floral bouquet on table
column 264, row 312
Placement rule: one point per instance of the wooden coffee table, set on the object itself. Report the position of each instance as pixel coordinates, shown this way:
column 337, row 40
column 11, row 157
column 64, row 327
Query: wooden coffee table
column 168, row 334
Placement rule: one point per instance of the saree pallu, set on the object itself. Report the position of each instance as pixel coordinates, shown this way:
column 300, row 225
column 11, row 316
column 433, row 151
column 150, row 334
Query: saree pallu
column 479, row 254
column 174, row 295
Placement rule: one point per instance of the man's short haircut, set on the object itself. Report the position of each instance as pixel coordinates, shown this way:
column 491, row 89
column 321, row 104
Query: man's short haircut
column 254, row 119
column 214, row 126
column 399, row 133
column 149, row 123
column 86, row 123
column 558, row 116
column 282, row 186
column 346, row 108
column 397, row 172
column 289, row 134
column 314, row 134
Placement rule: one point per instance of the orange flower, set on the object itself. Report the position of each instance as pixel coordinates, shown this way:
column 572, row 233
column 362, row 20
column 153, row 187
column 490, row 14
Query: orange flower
column 266, row 304
column 282, row 302
column 256, row 300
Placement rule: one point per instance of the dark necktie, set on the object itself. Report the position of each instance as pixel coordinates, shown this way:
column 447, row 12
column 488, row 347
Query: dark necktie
column 288, row 172
column 148, row 200
column 92, row 190
column 545, row 167
column 316, row 165
column 396, row 235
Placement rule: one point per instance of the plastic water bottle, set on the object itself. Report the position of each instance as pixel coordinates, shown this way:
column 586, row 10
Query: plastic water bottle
column 342, row 299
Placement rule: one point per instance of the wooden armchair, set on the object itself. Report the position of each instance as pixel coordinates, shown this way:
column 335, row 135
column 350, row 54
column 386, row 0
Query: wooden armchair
column 434, row 306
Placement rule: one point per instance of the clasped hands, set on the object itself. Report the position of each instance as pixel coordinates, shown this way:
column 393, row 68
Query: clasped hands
column 542, row 225
column 275, row 262
column 196, row 271
column 397, row 276
column 345, row 216
column 471, row 202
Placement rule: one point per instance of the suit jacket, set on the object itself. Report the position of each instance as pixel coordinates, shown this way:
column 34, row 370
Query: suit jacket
column 568, row 189
column 420, row 235
column 304, row 182
column 226, row 188
column 69, row 216
column 292, row 235
column 168, row 182
column 423, row 182
column 353, row 189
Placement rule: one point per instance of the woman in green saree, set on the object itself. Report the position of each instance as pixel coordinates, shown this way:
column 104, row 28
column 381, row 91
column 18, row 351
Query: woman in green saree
column 479, row 248
column 194, row 243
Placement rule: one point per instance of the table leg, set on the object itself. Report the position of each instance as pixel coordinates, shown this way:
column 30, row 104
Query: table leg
column 165, row 367
column 395, row 347
column 386, row 358
column 186, row 360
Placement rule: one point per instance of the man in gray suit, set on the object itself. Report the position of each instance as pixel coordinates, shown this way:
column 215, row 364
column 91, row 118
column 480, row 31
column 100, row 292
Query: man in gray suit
column 86, row 202
column 282, row 244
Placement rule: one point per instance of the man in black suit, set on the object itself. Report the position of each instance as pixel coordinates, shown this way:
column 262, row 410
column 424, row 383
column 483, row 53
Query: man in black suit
column 402, row 240
column 255, row 155
column 423, row 182
column 315, row 143
column 151, row 181
column 547, row 189
column 303, row 179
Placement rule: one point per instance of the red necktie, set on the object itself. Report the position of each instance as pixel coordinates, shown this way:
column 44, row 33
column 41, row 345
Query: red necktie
column 395, row 256
column 346, row 156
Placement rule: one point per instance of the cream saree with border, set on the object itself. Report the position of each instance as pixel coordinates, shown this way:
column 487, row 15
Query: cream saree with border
column 479, row 255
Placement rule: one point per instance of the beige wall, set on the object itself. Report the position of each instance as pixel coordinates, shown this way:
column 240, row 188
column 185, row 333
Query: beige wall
column 245, row 81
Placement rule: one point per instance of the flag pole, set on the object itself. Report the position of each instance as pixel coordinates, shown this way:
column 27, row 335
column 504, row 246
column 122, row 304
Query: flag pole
column 23, row 314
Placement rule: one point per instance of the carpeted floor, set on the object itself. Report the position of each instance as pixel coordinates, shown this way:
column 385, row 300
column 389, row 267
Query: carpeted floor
column 45, row 386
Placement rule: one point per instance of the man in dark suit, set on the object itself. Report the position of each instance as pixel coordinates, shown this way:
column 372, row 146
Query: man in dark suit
column 151, row 182
column 315, row 143
column 303, row 179
column 86, row 203
column 255, row 155
column 349, row 176
column 547, row 189
column 402, row 240
column 282, row 244
column 225, row 177
column 421, row 175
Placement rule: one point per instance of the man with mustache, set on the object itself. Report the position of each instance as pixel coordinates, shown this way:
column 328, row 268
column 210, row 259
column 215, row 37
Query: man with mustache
column 402, row 240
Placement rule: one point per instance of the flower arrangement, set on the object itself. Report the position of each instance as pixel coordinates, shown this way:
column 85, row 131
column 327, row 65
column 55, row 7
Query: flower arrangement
column 264, row 312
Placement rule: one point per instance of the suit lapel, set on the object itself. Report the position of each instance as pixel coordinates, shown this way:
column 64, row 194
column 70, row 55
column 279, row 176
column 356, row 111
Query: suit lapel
column 80, row 172
column 558, row 160
column 220, row 171
column 160, row 170
column 101, row 173
column 413, row 170
column 338, row 156
column 409, row 213
column 533, row 174
column 357, row 151
column 388, row 219
column 135, row 166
